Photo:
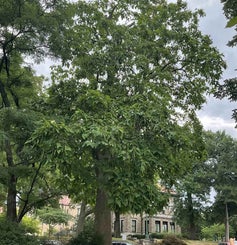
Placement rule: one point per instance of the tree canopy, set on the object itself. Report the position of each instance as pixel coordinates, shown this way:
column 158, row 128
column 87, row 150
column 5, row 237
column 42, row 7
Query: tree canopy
column 228, row 88
column 27, row 30
column 222, row 155
column 124, row 101
column 230, row 11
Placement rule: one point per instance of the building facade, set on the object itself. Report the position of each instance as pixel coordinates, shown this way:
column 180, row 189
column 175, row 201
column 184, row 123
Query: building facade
column 162, row 222
column 130, row 224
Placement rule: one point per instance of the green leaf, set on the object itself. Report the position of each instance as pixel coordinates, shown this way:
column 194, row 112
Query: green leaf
column 232, row 22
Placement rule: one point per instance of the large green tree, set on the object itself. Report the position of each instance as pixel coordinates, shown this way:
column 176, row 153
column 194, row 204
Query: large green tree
column 133, row 74
column 193, row 191
column 27, row 30
column 222, row 156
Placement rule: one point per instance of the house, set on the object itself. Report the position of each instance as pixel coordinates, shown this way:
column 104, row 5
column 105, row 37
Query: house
column 130, row 224
column 144, row 224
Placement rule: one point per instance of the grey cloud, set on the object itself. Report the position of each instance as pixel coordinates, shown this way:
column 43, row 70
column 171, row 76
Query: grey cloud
column 217, row 114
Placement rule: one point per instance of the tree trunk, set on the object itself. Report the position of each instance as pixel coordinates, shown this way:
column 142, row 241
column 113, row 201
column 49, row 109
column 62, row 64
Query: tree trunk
column 142, row 219
column 103, row 217
column 117, row 231
column 81, row 219
column 4, row 96
column 192, row 226
column 12, row 181
column 11, row 199
column 227, row 229
column 102, row 211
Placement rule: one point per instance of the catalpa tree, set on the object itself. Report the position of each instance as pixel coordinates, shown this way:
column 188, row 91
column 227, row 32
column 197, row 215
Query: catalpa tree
column 124, row 99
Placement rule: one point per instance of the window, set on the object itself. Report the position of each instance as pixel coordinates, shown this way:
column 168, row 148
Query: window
column 157, row 225
column 146, row 223
column 165, row 226
column 172, row 227
column 134, row 226
column 122, row 225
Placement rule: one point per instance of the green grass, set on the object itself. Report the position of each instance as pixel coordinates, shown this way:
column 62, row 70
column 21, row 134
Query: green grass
column 200, row 242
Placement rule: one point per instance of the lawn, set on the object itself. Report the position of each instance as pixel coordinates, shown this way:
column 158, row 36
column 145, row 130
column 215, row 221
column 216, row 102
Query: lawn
column 201, row 243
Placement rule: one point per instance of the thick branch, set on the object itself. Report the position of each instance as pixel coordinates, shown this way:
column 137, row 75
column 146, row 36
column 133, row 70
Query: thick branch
column 4, row 96
column 26, row 201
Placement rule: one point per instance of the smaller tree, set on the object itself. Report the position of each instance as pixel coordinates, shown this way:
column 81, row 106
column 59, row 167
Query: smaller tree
column 193, row 188
column 214, row 232
column 53, row 216
column 222, row 154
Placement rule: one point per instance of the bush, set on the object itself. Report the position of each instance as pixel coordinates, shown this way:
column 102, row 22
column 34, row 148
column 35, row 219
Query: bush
column 172, row 240
column 157, row 235
column 31, row 225
column 138, row 236
column 88, row 236
column 215, row 232
column 15, row 234
column 86, row 239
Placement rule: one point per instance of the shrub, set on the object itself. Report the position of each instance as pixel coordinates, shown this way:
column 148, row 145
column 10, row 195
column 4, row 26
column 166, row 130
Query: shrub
column 88, row 236
column 15, row 234
column 157, row 235
column 138, row 236
column 172, row 240
column 86, row 239
column 215, row 232
column 31, row 225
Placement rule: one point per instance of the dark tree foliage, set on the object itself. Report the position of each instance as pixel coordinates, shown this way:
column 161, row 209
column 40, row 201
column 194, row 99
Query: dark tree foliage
column 222, row 155
column 15, row 234
column 230, row 12
column 28, row 29
column 229, row 87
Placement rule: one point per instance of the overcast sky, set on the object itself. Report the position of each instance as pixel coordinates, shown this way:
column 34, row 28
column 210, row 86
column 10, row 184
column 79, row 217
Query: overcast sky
column 216, row 114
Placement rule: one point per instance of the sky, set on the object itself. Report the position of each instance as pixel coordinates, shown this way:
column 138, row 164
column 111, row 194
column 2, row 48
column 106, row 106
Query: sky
column 216, row 114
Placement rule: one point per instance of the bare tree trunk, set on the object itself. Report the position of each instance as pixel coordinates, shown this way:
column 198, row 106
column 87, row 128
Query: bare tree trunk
column 11, row 199
column 81, row 219
column 227, row 229
column 192, row 226
column 117, row 231
column 85, row 210
column 4, row 96
column 102, row 211
column 103, row 218
column 12, row 181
